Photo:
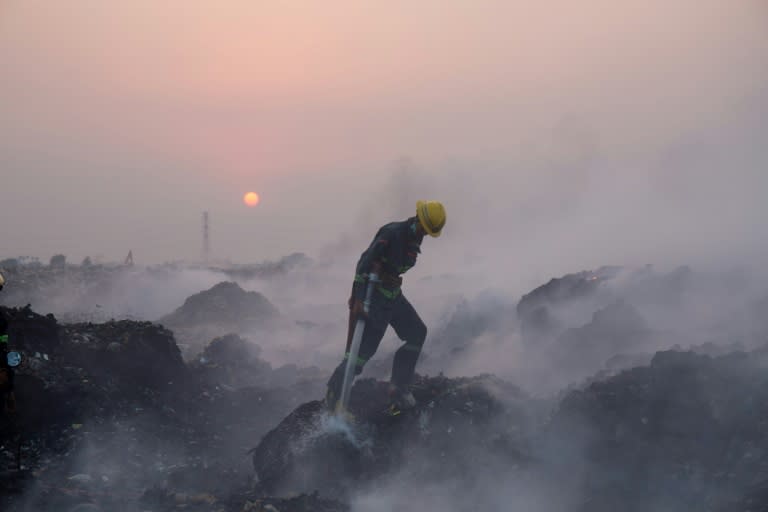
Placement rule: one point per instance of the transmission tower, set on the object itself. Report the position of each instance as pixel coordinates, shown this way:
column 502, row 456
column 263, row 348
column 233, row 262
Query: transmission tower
column 206, row 239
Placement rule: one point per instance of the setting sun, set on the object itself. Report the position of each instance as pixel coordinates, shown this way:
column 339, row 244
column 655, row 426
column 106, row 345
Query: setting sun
column 251, row 199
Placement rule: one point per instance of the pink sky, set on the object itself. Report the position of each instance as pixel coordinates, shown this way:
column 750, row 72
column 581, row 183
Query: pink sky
column 140, row 114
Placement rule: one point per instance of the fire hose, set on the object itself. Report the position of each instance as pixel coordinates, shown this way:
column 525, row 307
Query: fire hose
column 354, row 349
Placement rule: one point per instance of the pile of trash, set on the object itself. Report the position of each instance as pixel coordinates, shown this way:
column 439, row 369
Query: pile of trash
column 107, row 411
column 539, row 311
column 233, row 362
column 687, row 432
column 224, row 304
column 458, row 424
column 616, row 318
column 223, row 309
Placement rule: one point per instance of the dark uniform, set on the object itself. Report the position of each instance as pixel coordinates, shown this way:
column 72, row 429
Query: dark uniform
column 394, row 250
column 7, row 373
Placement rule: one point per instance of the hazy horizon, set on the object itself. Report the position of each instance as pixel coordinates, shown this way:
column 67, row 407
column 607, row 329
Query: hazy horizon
column 559, row 137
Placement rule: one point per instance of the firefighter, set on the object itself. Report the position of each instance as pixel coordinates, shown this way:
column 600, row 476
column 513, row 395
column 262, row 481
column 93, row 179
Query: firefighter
column 393, row 252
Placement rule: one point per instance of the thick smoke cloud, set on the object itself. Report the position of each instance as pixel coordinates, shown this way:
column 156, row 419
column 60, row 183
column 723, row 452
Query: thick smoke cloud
column 531, row 121
column 622, row 134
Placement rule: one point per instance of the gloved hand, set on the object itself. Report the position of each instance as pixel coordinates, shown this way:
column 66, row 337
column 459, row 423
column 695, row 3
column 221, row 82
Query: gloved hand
column 357, row 309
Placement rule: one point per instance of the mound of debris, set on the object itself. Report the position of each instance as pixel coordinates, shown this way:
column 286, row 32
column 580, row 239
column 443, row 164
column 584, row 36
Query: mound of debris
column 535, row 309
column 233, row 363
column 224, row 309
column 106, row 411
column 688, row 432
column 125, row 351
column 618, row 317
column 458, row 424
column 232, row 351
column 226, row 303
column 72, row 371
column 111, row 418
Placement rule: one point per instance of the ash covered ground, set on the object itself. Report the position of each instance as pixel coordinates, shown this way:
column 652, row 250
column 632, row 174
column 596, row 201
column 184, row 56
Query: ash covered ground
column 189, row 388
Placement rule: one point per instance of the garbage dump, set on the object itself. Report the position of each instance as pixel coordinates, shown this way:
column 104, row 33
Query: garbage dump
column 112, row 418
column 311, row 449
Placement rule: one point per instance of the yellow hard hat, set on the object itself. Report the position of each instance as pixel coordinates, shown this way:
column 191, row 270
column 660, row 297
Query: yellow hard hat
column 431, row 216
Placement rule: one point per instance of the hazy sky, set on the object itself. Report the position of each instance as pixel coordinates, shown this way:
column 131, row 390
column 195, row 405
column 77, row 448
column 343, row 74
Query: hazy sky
column 560, row 134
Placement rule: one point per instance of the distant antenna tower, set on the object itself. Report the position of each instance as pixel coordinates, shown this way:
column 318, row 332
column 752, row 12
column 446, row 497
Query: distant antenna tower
column 206, row 239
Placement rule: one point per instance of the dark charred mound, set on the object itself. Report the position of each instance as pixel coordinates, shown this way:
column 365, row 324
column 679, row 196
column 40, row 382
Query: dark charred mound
column 688, row 432
column 77, row 383
column 457, row 425
column 124, row 351
column 106, row 411
column 226, row 308
column 565, row 289
column 225, row 304
column 535, row 308
column 70, row 369
column 569, row 301
column 233, row 362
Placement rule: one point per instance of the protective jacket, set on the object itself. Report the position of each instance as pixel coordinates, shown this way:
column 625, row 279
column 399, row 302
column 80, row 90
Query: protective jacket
column 396, row 247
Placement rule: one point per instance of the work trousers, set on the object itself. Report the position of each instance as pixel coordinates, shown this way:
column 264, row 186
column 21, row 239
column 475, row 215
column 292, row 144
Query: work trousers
column 384, row 311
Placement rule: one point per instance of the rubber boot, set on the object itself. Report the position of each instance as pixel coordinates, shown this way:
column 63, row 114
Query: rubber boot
column 400, row 398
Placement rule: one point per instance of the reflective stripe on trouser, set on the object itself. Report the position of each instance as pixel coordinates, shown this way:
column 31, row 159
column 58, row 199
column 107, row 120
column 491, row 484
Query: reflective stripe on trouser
column 360, row 360
column 390, row 294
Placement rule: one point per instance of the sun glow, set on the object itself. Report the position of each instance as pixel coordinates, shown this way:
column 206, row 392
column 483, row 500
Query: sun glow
column 251, row 199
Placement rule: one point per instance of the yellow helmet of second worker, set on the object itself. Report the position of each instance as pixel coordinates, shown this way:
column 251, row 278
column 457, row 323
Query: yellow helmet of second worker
column 431, row 216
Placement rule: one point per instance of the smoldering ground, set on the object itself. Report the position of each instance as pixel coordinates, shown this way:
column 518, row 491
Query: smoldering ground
column 645, row 148
column 482, row 332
